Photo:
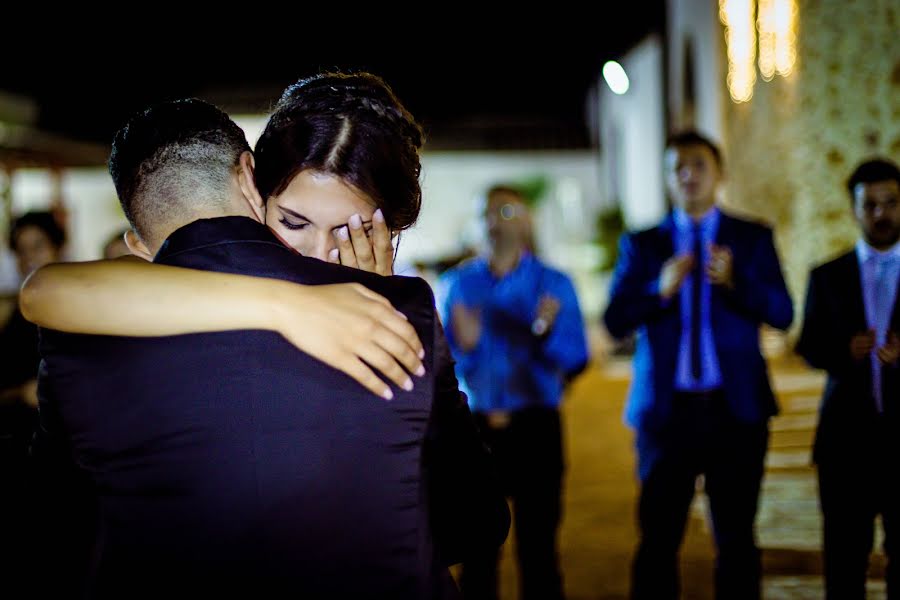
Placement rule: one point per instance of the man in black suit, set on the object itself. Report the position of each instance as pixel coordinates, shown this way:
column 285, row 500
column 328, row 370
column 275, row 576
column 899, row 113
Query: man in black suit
column 230, row 463
column 851, row 329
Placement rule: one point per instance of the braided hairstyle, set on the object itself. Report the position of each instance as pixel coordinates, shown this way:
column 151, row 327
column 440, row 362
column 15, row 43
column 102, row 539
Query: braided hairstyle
column 351, row 126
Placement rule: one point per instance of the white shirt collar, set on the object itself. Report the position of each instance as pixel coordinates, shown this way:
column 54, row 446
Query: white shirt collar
column 865, row 252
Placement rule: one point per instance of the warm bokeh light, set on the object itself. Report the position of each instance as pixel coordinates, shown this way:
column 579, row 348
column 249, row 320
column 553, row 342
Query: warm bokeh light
column 777, row 23
column 765, row 23
column 785, row 21
column 740, row 40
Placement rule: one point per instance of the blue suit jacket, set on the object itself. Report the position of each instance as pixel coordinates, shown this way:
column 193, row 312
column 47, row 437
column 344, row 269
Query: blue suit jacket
column 759, row 296
column 230, row 461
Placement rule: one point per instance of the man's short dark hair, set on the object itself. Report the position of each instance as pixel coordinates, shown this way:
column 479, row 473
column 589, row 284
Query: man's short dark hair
column 872, row 171
column 693, row 138
column 505, row 188
column 172, row 158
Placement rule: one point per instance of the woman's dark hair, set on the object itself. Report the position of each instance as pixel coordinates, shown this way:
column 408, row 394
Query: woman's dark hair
column 351, row 126
column 45, row 221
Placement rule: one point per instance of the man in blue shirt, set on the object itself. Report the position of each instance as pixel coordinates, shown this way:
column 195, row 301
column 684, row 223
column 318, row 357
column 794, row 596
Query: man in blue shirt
column 696, row 289
column 516, row 331
column 851, row 329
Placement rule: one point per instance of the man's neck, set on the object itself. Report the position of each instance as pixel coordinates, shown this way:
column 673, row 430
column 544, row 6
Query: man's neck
column 882, row 248
column 170, row 228
column 700, row 212
column 502, row 258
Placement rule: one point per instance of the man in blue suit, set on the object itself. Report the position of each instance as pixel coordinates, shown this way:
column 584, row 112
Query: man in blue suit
column 230, row 464
column 696, row 289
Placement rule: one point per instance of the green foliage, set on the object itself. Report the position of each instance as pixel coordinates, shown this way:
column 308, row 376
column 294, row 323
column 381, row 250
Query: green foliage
column 610, row 226
column 534, row 189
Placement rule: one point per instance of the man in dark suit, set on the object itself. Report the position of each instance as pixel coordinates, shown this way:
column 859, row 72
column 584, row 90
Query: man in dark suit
column 229, row 463
column 696, row 289
column 851, row 328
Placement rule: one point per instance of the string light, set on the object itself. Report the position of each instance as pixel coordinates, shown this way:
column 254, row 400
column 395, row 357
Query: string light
column 776, row 24
column 765, row 24
column 740, row 39
column 785, row 21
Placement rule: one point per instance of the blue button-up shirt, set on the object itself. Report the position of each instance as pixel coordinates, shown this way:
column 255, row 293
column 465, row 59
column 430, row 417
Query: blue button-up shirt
column 711, row 375
column 512, row 368
column 880, row 272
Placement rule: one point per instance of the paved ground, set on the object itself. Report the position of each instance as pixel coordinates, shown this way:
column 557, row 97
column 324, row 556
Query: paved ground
column 598, row 532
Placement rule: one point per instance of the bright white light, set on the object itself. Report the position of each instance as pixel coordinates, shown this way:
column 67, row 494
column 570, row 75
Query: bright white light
column 615, row 77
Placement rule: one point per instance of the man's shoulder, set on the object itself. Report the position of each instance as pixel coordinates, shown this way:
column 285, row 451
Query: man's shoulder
column 835, row 265
column 748, row 225
column 552, row 274
column 648, row 236
column 468, row 265
column 468, row 268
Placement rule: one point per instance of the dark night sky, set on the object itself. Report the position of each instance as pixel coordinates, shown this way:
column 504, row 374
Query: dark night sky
column 528, row 72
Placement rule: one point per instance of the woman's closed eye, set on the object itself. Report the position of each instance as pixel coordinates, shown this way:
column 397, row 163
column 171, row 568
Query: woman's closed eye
column 291, row 225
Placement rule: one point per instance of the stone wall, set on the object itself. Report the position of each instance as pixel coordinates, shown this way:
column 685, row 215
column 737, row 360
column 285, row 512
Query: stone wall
column 791, row 148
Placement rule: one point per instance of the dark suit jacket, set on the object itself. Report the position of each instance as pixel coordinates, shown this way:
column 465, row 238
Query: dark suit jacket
column 834, row 314
column 19, row 361
column 235, row 463
column 759, row 296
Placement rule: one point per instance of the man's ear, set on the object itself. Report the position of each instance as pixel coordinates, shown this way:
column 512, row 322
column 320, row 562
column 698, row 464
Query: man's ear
column 247, row 181
column 137, row 246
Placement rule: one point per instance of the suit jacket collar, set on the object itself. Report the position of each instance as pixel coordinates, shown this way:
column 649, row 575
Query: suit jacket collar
column 668, row 227
column 219, row 230
column 850, row 279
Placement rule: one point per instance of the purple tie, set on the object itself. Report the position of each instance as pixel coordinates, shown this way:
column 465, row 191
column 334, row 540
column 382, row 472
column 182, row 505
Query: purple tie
column 696, row 305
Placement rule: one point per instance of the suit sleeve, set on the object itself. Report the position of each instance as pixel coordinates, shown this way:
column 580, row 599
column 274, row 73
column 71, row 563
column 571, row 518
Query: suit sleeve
column 759, row 289
column 49, row 444
column 821, row 343
column 566, row 345
column 634, row 298
column 451, row 294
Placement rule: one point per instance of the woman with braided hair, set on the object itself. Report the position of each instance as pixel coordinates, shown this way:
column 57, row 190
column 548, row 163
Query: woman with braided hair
column 338, row 162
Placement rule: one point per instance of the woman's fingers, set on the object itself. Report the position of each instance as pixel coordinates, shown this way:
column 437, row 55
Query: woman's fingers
column 381, row 245
column 362, row 245
column 346, row 254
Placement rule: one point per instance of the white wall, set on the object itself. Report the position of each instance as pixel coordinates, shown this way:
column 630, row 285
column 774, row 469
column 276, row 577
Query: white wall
column 632, row 133
column 697, row 21
column 93, row 212
column 453, row 184
column 93, row 208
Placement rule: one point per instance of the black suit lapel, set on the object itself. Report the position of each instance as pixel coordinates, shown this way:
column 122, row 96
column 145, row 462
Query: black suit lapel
column 663, row 241
column 725, row 236
column 851, row 281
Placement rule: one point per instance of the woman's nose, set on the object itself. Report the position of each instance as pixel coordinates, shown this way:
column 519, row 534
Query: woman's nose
column 324, row 244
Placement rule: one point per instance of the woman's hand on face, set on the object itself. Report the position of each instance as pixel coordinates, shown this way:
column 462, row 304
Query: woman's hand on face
column 351, row 327
column 370, row 251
